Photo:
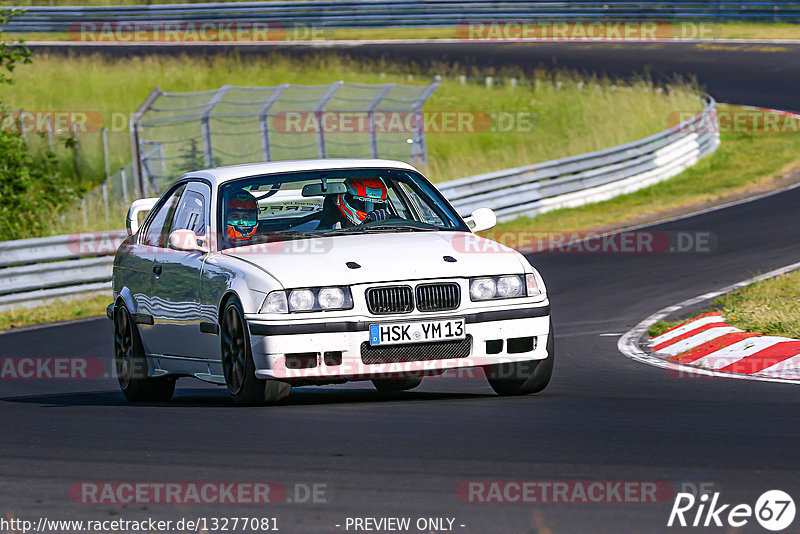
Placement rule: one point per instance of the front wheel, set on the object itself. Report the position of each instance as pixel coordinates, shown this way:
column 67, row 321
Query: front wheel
column 238, row 366
column 523, row 378
column 131, row 363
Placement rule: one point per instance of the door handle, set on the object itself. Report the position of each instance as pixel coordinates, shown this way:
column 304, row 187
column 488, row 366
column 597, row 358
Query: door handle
column 157, row 270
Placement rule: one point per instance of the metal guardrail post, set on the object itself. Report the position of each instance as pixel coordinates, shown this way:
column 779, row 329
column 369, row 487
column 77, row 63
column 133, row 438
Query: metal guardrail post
column 373, row 134
column 136, row 145
column 208, row 151
column 22, row 129
column 318, row 109
column 263, row 119
column 418, row 150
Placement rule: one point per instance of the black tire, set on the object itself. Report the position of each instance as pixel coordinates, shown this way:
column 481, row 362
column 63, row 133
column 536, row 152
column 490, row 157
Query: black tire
column 131, row 363
column 238, row 366
column 523, row 378
column 396, row 384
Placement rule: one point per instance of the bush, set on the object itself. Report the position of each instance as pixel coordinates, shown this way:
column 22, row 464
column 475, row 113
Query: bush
column 31, row 186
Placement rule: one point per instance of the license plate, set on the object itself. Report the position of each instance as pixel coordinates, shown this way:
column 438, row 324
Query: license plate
column 417, row 332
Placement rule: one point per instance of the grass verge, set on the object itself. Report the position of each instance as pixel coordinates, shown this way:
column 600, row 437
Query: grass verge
column 544, row 115
column 770, row 307
column 746, row 160
column 61, row 310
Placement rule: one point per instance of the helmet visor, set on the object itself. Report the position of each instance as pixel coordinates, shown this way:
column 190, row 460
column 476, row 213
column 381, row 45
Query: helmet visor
column 366, row 205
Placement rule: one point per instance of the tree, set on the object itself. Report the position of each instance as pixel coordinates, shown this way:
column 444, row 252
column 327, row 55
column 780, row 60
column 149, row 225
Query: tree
column 32, row 188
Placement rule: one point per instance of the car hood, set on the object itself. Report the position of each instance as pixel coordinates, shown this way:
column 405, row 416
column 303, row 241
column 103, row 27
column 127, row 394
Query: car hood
column 366, row 258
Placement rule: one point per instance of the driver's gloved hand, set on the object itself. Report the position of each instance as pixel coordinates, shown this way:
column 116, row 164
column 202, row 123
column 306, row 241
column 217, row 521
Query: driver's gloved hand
column 377, row 215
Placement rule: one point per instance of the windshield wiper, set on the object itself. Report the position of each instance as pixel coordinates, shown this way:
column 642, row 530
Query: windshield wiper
column 282, row 236
column 376, row 230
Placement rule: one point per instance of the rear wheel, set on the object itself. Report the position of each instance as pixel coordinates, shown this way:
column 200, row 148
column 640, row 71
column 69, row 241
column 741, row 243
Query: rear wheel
column 396, row 384
column 523, row 378
column 131, row 363
column 238, row 366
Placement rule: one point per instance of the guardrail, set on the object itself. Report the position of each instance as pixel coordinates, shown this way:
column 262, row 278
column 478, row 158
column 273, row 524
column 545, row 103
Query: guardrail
column 35, row 270
column 590, row 177
column 384, row 13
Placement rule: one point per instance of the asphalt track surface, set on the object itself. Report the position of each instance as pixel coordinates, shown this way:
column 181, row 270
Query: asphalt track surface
column 603, row 417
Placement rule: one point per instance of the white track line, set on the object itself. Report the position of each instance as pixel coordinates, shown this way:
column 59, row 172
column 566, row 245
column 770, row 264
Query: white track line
column 628, row 344
column 790, row 366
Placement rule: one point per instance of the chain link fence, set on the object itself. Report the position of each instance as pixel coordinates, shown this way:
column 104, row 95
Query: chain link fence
column 172, row 133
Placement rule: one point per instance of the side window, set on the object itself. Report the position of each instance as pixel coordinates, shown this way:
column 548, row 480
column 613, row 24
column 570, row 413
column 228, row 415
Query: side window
column 425, row 212
column 191, row 214
column 398, row 203
column 157, row 234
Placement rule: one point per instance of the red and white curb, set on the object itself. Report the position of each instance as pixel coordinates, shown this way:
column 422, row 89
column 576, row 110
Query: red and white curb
column 630, row 343
column 708, row 342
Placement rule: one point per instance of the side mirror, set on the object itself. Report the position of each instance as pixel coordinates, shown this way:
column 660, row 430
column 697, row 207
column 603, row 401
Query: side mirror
column 142, row 205
column 187, row 241
column 481, row 219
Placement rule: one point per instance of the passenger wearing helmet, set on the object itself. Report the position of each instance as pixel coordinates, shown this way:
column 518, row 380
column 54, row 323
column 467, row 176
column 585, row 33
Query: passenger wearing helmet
column 241, row 216
column 366, row 199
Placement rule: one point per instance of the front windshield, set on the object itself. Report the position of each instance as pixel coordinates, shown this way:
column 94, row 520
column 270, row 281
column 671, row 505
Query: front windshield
column 330, row 202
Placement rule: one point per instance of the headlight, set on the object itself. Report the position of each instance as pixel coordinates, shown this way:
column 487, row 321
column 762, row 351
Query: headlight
column 331, row 298
column 483, row 289
column 301, row 300
column 304, row 300
column 509, row 286
column 498, row 287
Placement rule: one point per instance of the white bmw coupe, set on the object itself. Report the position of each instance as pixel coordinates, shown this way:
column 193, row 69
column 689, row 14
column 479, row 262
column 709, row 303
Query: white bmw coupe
column 265, row 276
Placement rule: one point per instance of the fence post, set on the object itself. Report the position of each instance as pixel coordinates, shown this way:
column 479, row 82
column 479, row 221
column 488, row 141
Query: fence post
column 76, row 148
column 263, row 119
column 136, row 149
column 318, row 108
column 22, row 125
column 50, row 133
column 373, row 135
column 104, row 189
column 418, row 150
column 208, row 152
column 104, row 133
column 124, row 180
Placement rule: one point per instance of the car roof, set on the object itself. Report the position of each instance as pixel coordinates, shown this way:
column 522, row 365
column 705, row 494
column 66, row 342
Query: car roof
column 221, row 175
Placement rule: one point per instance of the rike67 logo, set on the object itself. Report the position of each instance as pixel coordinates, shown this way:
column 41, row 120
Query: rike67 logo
column 774, row 510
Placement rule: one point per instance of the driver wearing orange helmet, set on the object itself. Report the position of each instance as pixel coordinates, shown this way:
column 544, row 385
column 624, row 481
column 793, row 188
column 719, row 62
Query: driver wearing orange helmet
column 365, row 200
column 241, row 216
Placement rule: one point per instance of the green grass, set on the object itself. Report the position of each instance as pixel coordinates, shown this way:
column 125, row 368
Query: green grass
column 770, row 307
column 743, row 161
column 61, row 310
column 565, row 114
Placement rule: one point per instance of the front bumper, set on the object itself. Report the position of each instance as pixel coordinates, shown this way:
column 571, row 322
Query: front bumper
column 333, row 349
